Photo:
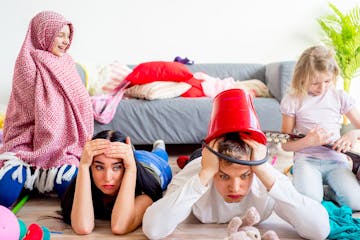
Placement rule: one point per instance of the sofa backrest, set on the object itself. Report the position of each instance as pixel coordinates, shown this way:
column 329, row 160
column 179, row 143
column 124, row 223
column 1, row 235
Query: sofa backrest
column 82, row 73
column 238, row 71
column 277, row 76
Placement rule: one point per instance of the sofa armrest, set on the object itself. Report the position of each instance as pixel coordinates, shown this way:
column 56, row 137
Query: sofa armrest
column 278, row 77
column 82, row 73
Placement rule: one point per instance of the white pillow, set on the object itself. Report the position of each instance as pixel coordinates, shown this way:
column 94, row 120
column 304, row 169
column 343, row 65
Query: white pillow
column 157, row 90
column 106, row 79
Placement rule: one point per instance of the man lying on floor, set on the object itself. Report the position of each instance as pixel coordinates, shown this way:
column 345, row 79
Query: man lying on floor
column 219, row 186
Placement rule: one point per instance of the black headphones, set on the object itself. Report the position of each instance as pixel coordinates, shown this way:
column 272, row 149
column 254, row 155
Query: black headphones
column 234, row 160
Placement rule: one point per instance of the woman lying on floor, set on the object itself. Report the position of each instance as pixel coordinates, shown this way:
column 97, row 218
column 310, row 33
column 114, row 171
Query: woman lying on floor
column 115, row 182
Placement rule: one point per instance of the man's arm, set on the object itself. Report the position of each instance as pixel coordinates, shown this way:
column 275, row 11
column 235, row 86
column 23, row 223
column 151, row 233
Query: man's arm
column 309, row 218
column 163, row 216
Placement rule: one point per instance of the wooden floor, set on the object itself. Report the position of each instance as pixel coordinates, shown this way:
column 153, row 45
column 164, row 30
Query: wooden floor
column 43, row 211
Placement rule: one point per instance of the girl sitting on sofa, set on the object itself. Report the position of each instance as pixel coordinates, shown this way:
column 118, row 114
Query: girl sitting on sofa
column 115, row 182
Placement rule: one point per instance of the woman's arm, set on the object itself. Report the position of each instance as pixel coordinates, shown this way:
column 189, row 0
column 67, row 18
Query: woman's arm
column 127, row 218
column 128, row 210
column 82, row 213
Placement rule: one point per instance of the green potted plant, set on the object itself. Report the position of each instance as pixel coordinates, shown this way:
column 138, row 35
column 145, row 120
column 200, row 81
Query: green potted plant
column 342, row 33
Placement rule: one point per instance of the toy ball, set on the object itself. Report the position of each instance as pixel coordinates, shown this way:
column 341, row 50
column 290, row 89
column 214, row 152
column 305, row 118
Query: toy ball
column 46, row 233
column 37, row 232
column 34, row 232
column 22, row 228
column 9, row 225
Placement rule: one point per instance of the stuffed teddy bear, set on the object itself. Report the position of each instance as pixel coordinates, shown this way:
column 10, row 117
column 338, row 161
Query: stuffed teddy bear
column 243, row 229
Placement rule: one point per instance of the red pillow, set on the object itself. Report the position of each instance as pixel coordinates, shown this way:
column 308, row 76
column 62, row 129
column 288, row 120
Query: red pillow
column 159, row 71
column 196, row 90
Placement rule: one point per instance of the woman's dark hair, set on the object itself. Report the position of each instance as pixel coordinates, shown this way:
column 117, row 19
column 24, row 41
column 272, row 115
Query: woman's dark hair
column 146, row 183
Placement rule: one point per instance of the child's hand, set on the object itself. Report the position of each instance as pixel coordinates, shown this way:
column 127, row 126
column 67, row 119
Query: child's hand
column 123, row 151
column 318, row 136
column 346, row 142
column 91, row 149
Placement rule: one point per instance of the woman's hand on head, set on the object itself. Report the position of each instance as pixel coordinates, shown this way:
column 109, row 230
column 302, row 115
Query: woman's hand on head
column 93, row 148
column 123, row 151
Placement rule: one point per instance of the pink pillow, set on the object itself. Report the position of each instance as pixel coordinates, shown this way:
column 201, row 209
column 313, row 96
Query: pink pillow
column 159, row 71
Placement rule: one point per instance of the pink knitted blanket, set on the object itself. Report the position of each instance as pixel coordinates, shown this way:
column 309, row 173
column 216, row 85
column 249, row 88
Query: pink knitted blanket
column 49, row 115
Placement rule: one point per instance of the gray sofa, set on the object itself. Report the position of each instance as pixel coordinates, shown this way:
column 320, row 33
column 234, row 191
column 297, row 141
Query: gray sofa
column 185, row 120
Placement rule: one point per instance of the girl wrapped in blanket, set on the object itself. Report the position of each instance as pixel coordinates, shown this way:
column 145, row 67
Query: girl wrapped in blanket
column 49, row 115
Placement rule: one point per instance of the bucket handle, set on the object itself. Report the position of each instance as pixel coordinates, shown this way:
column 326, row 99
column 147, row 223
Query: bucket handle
column 234, row 160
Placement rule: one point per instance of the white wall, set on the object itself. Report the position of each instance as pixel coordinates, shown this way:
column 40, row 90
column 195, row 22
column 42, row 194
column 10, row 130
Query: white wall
column 133, row 31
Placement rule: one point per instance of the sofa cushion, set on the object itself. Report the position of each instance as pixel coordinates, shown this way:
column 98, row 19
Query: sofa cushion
column 157, row 90
column 159, row 71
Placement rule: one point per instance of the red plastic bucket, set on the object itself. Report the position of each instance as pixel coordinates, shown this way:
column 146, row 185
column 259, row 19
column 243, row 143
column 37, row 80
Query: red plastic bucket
column 233, row 111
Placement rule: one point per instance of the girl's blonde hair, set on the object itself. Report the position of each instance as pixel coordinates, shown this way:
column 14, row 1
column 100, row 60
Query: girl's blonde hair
column 314, row 60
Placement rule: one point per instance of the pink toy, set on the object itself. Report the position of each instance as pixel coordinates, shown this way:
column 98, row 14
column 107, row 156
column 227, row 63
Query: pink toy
column 12, row 228
column 9, row 226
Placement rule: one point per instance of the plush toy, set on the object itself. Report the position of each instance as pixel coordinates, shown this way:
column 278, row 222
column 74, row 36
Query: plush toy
column 243, row 228
column 12, row 228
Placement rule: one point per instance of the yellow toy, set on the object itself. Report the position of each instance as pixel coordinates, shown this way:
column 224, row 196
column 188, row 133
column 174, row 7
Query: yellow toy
column 2, row 120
